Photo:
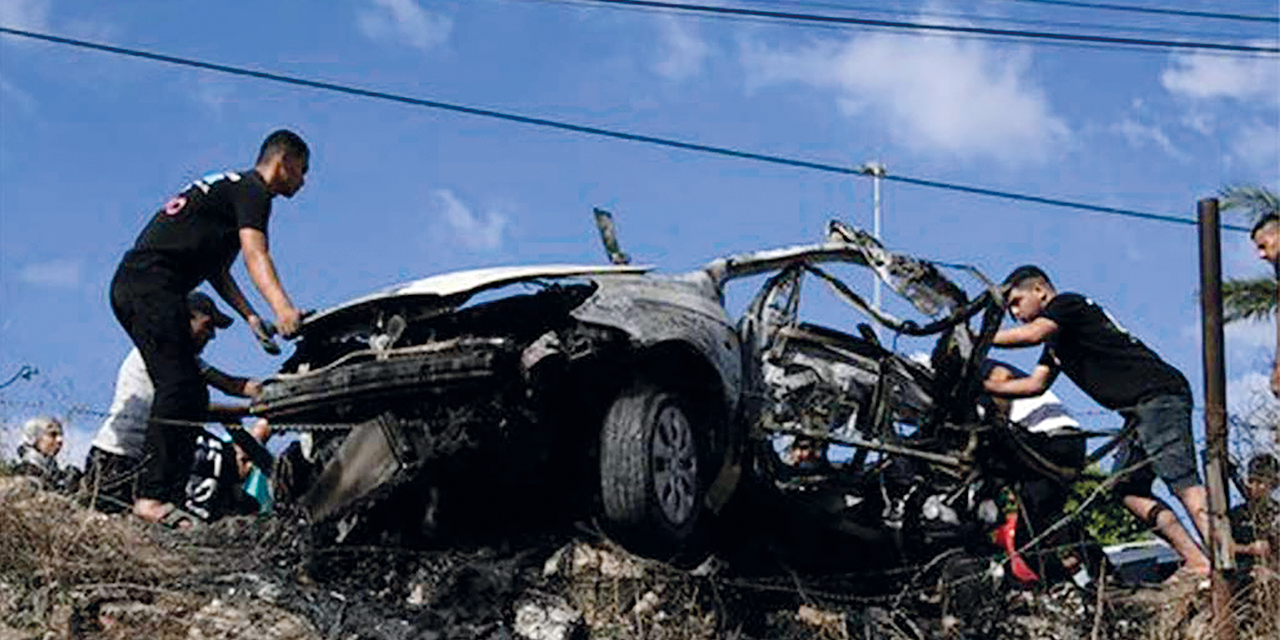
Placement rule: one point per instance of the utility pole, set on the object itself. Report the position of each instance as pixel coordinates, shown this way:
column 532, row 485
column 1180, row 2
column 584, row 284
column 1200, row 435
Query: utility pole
column 876, row 171
column 1215, row 414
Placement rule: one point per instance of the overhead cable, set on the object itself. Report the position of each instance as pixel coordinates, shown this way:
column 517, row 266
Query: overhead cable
column 991, row 18
column 590, row 130
column 938, row 27
column 1186, row 13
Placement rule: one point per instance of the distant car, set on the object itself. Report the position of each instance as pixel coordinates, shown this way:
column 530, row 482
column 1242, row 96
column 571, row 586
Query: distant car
column 634, row 395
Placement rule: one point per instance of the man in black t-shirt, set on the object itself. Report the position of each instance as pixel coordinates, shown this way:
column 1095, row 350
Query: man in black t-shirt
column 1266, row 237
column 1121, row 373
column 195, row 238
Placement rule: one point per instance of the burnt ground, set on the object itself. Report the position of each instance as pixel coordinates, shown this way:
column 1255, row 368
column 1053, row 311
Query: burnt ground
column 69, row 572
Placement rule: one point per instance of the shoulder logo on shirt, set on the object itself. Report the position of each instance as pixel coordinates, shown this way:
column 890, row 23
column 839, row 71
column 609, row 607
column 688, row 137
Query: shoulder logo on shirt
column 206, row 183
column 174, row 206
column 1110, row 318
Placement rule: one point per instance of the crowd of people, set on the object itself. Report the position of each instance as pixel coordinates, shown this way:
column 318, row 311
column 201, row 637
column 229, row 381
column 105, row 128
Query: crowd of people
column 153, row 458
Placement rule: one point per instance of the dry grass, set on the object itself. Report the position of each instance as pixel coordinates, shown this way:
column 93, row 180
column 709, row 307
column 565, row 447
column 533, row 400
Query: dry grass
column 48, row 538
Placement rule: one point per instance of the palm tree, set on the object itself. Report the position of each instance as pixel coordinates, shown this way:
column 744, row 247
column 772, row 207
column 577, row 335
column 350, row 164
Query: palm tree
column 1250, row 298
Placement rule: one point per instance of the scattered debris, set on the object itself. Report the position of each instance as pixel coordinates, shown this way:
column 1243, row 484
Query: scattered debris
column 69, row 573
column 544, row 617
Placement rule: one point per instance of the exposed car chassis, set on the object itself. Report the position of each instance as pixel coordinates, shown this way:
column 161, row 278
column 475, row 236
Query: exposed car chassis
column 634, row 395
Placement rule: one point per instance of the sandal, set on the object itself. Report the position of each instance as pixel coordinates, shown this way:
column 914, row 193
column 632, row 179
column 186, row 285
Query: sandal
column 1185, row 576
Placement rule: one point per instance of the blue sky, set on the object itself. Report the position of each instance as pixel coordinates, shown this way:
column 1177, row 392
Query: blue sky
column 91, row 145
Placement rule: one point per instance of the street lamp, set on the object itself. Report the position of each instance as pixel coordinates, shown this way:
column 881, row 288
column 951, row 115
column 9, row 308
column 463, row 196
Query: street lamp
column 876, row 170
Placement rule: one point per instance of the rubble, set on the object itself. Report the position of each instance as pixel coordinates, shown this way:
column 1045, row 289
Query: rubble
column 262, row 578
column 546, row 617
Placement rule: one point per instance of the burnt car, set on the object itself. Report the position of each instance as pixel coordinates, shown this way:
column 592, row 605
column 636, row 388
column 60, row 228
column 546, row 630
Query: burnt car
column 497, row 394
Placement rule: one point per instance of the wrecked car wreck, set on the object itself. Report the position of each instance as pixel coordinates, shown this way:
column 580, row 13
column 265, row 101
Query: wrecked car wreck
column 467, row 399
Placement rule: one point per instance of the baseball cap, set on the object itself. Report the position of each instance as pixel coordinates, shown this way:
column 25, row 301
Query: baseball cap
column 1264, row 467
column 199, row 302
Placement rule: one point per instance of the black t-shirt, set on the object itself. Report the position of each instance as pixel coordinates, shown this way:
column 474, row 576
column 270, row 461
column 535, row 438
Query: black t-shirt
column 195, row 235
column 1104, row 359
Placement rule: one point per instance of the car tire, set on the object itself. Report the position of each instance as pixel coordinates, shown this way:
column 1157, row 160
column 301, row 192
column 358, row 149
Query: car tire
column 650, row 482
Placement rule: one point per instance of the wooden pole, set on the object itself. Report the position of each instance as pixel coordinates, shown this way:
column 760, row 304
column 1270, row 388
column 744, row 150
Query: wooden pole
column 1215, row 412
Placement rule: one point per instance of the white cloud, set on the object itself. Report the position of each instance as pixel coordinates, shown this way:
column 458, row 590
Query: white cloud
column 475, row 232
column 1203, row 76
column 1256, row 145
column 1249, row 398
column 1251, row 334
column 963, row 98
column 1141, row 135
column 682, row 49
column 405, row 21
column 212, row 92
column 60, row 273
column 28, row 15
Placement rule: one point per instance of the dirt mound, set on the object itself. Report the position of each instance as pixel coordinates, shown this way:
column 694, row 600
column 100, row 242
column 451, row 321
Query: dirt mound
column 69, row 572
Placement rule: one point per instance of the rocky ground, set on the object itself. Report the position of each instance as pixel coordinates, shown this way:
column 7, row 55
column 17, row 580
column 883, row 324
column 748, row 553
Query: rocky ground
column 69, row 572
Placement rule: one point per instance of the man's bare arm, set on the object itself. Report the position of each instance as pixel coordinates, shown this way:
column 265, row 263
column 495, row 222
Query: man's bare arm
column 1033, row 385
column 1275, row 371
column 257, row 259
column 228, row 413
column 231, row 385
column 1027, row 335
column 229, row 290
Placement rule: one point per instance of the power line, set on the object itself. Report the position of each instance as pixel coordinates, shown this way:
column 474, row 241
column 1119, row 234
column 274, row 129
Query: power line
column 939, row 34
column 1154, row 10
column 945, row 28
column 951, row 16
column 979, row 17
column 590, row 130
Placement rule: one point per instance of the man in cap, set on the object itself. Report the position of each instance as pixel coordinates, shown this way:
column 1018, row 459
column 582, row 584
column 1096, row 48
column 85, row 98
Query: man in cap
column 1255, row 523
column 194, row 238
column 126, row 440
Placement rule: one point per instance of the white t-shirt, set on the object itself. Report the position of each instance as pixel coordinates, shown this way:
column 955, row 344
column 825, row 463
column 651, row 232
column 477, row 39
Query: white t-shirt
column 1041, row 414
column 125, row 429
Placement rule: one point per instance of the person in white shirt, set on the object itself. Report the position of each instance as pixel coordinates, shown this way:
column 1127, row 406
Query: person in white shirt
column 119, row 447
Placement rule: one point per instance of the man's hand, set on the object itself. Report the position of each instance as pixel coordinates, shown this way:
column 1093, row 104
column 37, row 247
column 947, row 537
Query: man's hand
column 252, row 388
column 288, row 321
column 263, row 332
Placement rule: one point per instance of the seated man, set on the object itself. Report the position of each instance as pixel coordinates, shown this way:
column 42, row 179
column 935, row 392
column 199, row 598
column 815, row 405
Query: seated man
column 1255, row 524
column 118, row 449
column 218, row 485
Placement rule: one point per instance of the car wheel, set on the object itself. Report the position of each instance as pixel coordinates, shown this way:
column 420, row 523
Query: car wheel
column 650, row 482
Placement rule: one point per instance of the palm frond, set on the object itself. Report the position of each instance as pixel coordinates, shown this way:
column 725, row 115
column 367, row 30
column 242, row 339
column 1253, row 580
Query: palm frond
column 1248, row 298
column 1253, row 201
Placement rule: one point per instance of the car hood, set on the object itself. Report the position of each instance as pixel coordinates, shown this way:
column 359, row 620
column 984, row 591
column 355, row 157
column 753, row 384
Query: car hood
column 461, row 285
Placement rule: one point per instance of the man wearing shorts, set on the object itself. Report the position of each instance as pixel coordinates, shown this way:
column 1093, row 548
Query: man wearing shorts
column 1121, row 373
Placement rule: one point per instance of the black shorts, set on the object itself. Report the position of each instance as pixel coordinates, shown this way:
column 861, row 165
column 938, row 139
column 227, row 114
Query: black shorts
column 1161, row 447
